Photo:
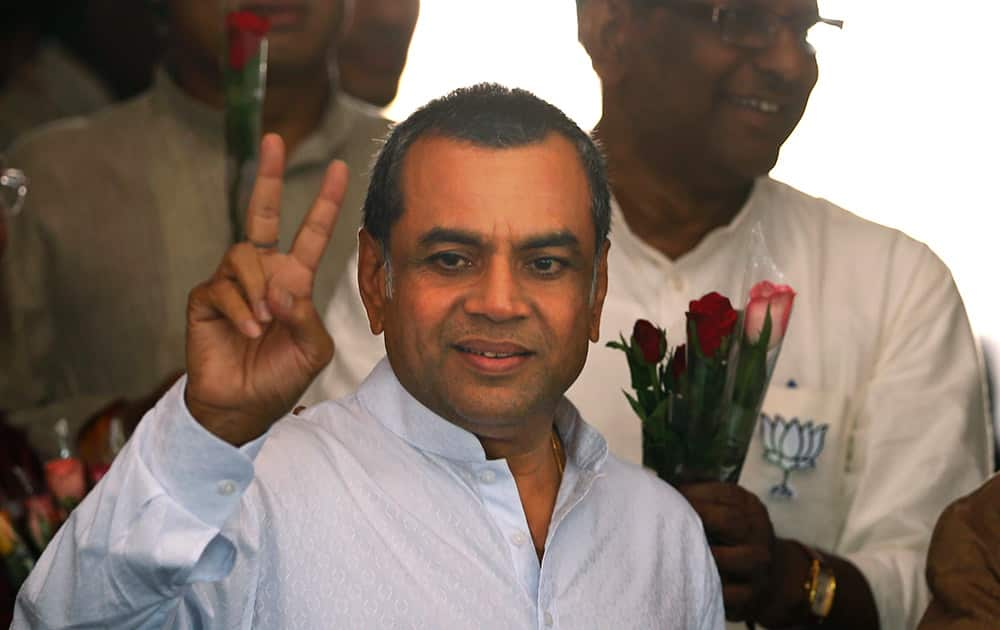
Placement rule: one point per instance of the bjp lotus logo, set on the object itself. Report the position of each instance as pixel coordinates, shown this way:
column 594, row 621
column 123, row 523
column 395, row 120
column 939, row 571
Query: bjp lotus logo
column 790, row 445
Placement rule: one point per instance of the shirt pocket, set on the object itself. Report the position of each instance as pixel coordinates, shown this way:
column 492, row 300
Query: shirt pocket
column 796, row 463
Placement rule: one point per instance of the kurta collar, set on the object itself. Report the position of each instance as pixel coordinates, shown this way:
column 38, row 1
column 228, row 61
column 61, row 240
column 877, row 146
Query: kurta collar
column 390, row 403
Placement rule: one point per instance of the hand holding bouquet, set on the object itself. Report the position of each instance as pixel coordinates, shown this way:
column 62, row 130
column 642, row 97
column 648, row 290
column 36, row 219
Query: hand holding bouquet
column 699, row 403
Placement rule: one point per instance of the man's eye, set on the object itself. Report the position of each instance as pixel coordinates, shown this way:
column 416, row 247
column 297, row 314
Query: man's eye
column 450, row 261
column 547, row 266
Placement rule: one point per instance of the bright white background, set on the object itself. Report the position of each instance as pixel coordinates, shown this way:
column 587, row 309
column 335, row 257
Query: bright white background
column 902, row 127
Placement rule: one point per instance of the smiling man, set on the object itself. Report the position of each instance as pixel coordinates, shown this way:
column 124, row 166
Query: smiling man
column 698, row 98
column 457, row 487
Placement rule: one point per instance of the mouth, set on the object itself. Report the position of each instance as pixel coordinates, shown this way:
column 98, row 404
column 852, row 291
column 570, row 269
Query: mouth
column 761, row 105
column 281, row 14
column 492, row 357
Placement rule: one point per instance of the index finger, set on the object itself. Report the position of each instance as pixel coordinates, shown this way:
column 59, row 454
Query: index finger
column 314, row 233
column 264, row 210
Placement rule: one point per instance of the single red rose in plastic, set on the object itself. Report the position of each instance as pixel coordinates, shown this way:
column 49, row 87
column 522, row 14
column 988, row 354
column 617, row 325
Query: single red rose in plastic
column 652, row 341
column 714, row 318
column 779, row 298
column 244, row 30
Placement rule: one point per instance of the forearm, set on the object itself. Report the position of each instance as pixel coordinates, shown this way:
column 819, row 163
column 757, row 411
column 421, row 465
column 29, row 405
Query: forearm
column 150, row 530
column 788, row 605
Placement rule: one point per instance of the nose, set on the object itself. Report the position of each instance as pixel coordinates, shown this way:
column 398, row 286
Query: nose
column 788, row 59
column 498, row 295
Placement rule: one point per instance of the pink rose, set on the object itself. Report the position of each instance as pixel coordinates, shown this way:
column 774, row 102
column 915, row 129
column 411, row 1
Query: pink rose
column 66, row 479
column 779, row 298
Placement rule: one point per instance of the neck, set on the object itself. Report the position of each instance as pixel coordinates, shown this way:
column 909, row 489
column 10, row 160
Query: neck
column 536, row 469
column 670, row 203
column 292, row 109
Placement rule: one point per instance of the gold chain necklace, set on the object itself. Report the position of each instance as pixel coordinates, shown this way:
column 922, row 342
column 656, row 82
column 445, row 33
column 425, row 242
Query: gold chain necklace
column 557, row 453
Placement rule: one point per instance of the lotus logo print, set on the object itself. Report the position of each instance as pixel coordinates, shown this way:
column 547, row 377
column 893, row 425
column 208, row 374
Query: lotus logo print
column 790, row 445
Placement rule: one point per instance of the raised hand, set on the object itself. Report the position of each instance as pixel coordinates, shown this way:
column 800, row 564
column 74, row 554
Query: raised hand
column 254, row 338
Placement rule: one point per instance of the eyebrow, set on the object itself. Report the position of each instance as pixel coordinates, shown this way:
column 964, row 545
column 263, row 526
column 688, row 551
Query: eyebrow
column 439, row 235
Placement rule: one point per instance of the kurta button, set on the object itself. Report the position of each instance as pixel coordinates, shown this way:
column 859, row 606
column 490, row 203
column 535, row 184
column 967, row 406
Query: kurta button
column 548, row 619
column 518, row 538
column 487, row 476
column 678, row 283
column 226, row 488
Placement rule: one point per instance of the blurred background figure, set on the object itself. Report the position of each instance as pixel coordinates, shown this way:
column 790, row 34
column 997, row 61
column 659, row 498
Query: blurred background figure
column 372, row 55
column 71, row 57
column 128, row 209
column 963, row 566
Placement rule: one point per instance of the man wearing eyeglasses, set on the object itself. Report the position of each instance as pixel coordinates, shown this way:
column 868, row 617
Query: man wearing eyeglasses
column 698, row 98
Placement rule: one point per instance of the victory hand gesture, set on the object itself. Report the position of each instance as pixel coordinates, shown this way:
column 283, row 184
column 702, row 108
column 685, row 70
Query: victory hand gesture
column 254, row 338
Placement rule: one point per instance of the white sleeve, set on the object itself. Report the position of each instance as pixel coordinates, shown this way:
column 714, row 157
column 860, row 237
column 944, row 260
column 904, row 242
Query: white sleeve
column 143, row 548
column 923, row 433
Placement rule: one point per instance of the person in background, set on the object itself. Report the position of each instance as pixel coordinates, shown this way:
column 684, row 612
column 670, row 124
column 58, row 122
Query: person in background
column 128, row 209
column 71, row 58
column 963, row 565
column 457, row 488
column 698, row 98
column 372, row 54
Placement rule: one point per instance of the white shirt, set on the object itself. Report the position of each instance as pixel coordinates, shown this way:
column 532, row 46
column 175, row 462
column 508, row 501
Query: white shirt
column 879, row 350
column 369, row 512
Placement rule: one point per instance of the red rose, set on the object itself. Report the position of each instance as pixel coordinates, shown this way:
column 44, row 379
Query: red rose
column 680, row 361
column 763, row 296
column 244, row 31
column 652, row 341
column 714, row 318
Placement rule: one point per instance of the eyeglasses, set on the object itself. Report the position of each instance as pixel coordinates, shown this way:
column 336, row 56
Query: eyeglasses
column 753, row 27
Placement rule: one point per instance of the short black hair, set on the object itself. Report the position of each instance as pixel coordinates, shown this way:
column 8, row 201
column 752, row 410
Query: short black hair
column 486, row 115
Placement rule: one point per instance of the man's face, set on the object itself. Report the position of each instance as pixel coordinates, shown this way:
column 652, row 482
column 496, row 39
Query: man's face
column 690, row 93
column 491, row 303
column 373, row 53
column 301, row 35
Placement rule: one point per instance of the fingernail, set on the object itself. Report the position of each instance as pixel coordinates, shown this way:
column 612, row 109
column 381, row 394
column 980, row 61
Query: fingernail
column 251, row 328
column 263, row 313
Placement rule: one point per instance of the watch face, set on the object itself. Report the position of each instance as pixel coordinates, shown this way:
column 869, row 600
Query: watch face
column 826, row 586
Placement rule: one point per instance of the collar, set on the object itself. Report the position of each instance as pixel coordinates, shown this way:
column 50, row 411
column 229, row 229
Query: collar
column 385, row 398
column 319, row 147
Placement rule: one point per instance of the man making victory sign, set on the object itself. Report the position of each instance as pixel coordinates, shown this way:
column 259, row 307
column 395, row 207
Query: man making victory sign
column 457, row 487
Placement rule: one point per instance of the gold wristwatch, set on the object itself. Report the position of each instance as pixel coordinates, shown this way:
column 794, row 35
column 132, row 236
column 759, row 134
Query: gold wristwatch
column 821, row 586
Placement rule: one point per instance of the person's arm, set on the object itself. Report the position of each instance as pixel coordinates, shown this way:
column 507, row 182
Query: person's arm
column 764, row 577
column 963, row 565
column 159, row 523
column 923, row 438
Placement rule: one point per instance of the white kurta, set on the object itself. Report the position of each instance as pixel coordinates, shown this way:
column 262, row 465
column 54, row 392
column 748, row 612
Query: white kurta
column 879, row 349
column 369, row 512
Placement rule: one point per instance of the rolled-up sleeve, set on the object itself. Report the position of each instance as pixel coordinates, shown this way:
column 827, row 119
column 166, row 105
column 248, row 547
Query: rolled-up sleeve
column 168, row 516
column 922, row 437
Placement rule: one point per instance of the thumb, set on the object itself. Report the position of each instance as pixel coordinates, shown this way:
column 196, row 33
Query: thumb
column 304, row 324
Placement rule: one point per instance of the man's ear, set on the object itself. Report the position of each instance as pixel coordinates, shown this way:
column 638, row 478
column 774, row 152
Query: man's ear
column 372, row 280
column 600, row 292
column 601, row 28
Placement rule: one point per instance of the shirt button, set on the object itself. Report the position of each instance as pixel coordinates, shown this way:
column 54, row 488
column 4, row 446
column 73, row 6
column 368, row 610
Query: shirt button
column 548, row 619
column 518, row 538
column 487, row 476
column 678, row 283
column 226, row 488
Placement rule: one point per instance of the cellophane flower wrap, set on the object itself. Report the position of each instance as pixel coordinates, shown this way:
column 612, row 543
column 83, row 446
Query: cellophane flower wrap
column 699, row 401
column 244, row 77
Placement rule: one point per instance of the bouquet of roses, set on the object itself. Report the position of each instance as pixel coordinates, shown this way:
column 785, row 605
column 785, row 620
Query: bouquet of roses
column 699, row 402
